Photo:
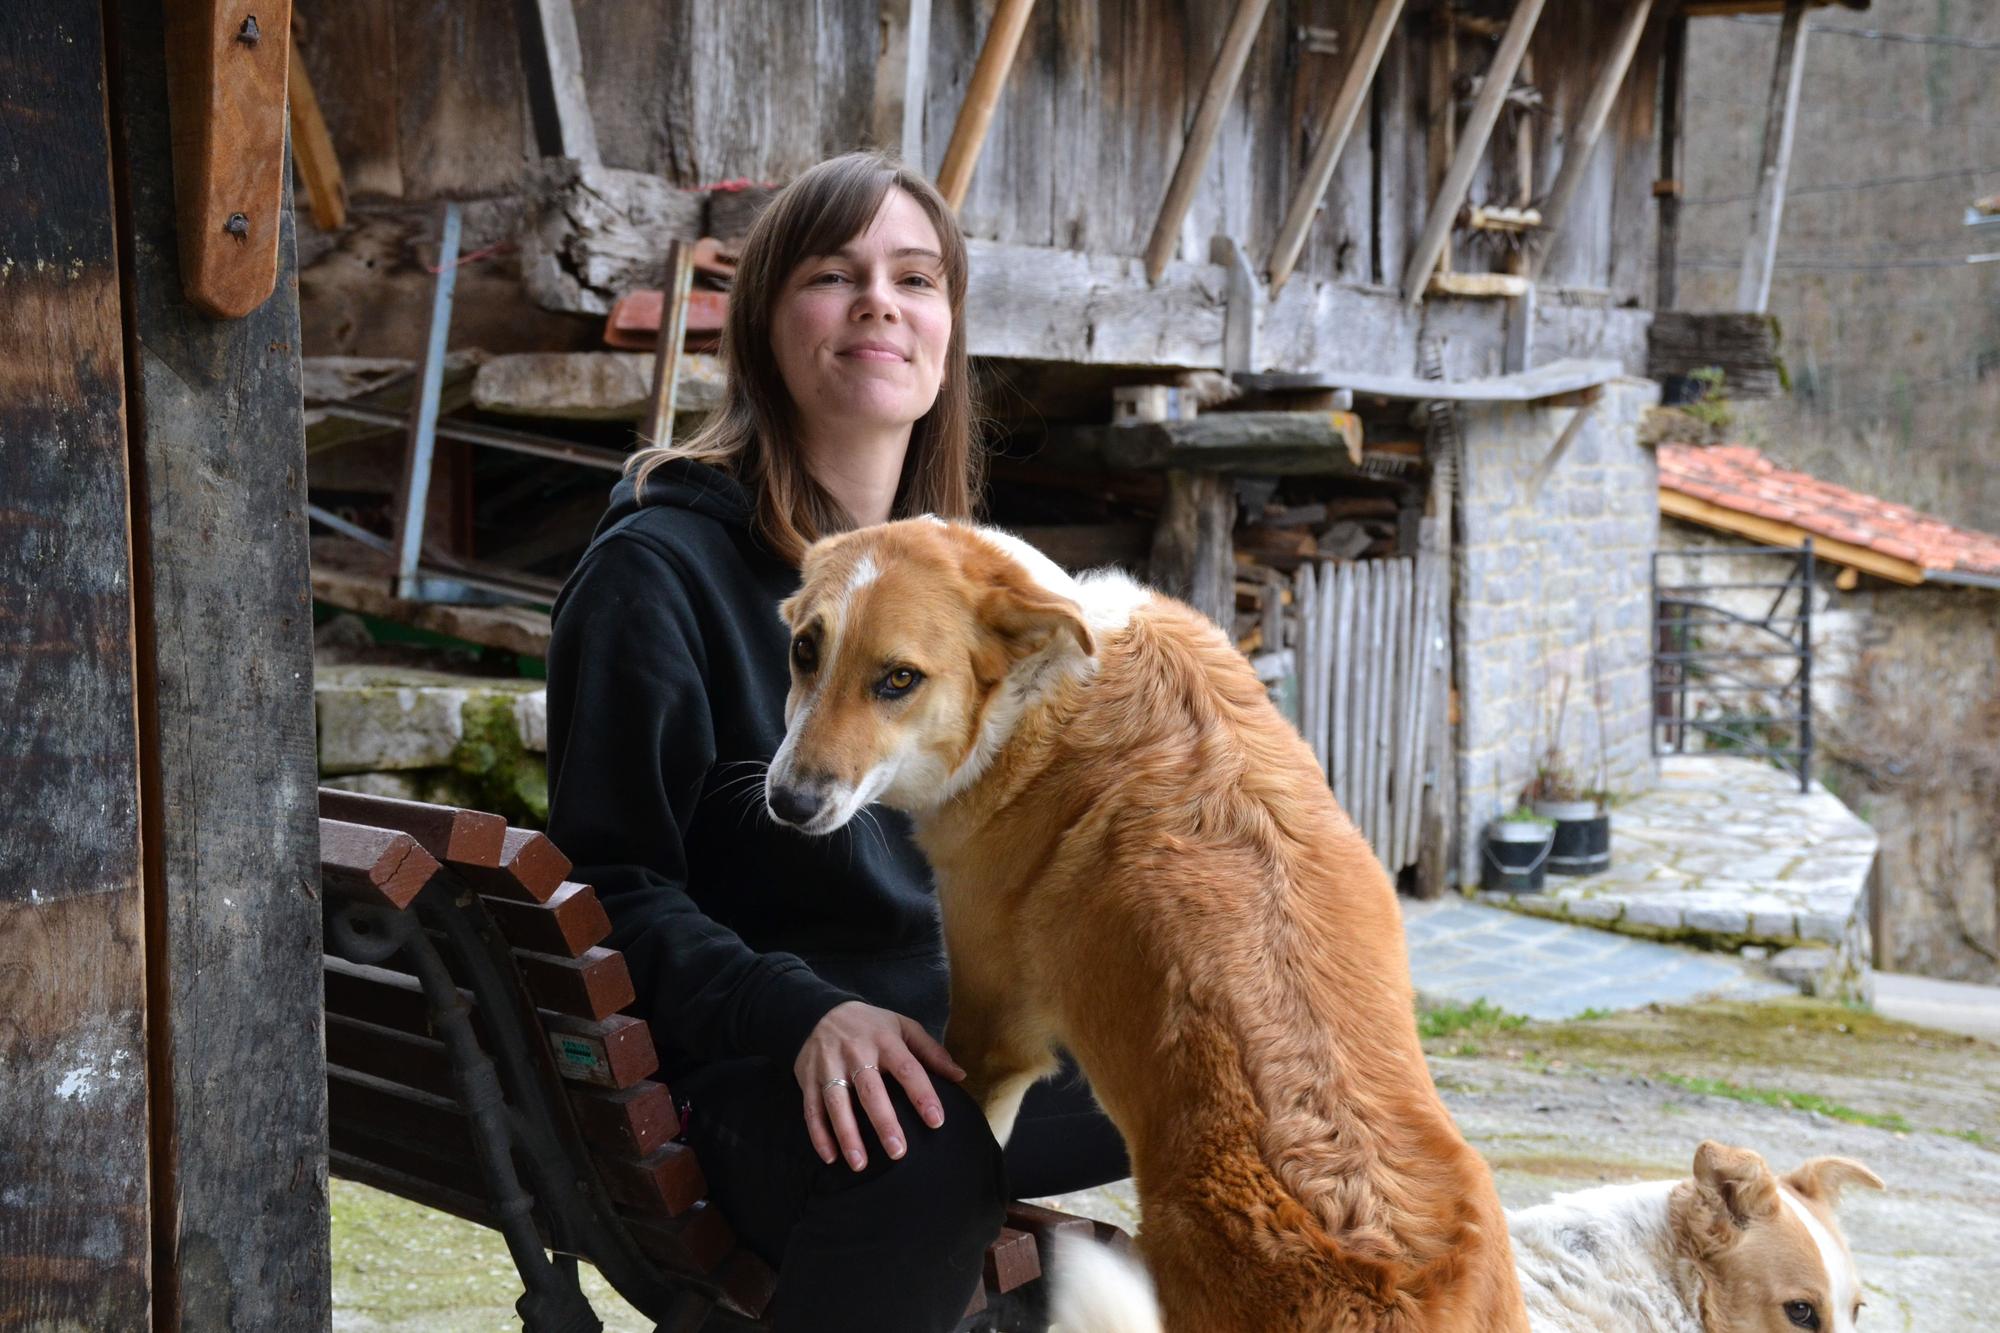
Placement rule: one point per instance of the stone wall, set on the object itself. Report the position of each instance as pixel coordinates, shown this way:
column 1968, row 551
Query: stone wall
column 1906, row 704
column 1553, row 584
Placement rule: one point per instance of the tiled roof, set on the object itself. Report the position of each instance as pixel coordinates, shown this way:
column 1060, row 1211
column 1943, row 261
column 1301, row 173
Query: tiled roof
column 1738, row 478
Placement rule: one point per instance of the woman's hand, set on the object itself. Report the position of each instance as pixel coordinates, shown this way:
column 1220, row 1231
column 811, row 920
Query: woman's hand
column 864, row 1045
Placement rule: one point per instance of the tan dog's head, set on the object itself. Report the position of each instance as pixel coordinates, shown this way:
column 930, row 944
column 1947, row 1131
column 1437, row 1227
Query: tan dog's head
column 1771, row 1256
column 915, row 645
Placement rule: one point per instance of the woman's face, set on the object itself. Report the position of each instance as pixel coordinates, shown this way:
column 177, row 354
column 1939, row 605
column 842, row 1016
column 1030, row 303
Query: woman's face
column 860, row 335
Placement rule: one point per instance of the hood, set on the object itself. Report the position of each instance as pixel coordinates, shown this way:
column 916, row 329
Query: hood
column 683, row 484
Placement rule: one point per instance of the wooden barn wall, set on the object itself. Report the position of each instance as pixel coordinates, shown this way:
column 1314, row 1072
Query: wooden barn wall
column 424, row 100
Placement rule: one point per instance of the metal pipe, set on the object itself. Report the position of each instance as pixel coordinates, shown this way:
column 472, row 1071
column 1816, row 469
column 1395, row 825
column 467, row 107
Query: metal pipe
column 491, row 437
column 422, row 447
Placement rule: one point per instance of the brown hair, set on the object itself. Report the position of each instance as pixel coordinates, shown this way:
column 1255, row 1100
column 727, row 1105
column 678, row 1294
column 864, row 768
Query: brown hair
column 751, row 436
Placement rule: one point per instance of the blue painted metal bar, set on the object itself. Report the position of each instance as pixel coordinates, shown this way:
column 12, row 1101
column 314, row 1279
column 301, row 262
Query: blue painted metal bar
column 422, row 448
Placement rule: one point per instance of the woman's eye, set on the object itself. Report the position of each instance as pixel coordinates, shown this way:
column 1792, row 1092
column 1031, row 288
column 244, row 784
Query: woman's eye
column 1802, row 1314
column 921, row 279
column 804, row 656
column 899, row 681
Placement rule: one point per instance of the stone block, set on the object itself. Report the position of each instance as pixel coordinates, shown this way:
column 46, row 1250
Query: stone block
column 372, row 728
column 531, row 715
column 1654, row 913
column 1717, row 920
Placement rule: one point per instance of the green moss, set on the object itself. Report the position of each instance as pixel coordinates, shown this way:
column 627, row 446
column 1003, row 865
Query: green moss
column 1478, row 1019
column 1794, row 1101
column 502, row 775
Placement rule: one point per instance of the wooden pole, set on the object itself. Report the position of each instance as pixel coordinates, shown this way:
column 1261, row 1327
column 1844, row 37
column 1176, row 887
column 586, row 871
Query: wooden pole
column 968, row 135
column 901, row 64
column 1334, row 129
column 1669, row 187
column 1781, row 117
column 312, row 149
column 1589, row 129
column 1193, row 555
column 552, row 68
column 659, row 424
column 1471, row 147
column 1222, row 80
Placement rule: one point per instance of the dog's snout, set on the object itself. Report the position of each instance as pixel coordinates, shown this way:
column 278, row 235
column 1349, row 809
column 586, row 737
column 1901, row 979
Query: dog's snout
column 794, row 805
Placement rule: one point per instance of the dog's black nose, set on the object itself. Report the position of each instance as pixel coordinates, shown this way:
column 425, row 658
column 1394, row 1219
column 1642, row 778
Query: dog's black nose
column 793, row 805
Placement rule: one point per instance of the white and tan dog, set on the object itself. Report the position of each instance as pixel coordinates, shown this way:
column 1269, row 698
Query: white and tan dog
column 1735, row 1249
column 1138, row 859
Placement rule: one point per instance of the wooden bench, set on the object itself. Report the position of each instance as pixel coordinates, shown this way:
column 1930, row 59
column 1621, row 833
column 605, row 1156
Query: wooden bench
column 479, row 1061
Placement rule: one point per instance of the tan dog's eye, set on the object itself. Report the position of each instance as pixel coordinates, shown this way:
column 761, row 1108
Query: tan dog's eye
column 805, row 656
column 898, row 682
column 1802, row 1314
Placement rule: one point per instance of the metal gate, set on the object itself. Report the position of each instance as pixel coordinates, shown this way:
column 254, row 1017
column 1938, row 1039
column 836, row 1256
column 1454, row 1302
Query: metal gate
column 1370, row 649
column 1732, row 654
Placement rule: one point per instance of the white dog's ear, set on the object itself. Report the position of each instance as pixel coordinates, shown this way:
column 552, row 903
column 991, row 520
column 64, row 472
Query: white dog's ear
column 1732, row 1188
column 1027, row 616
column 1821, row 1178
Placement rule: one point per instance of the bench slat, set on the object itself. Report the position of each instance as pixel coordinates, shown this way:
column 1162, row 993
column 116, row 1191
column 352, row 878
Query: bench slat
column 381, row 867
column 1012, row 1260
column 630, row 1121
column 695, row 1243
column 570, row 922
column 454, row 836
column 613, row 1052
column 596, row 985
column 529, row 868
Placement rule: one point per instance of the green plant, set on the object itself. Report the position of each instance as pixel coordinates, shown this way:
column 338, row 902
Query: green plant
column 1521, row 814
column 1450, row 1018
column 1791, row 1101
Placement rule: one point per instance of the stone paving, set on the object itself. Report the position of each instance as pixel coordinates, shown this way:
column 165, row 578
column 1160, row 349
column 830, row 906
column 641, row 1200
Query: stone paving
column 1462, row 952
column 1724, row 850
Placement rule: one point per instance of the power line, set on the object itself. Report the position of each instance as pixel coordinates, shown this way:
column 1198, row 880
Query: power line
column 1850, row 187
column 1852, row 266
column 1879, row 35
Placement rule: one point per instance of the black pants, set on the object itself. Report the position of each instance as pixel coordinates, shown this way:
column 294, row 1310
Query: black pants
column 896, row 1247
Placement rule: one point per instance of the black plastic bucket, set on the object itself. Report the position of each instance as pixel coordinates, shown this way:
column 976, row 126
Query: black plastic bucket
column 1516, row 856
column 1583, row 837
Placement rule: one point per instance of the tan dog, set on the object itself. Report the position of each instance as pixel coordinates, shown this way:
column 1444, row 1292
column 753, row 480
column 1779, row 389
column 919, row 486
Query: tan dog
column 1736, row 1249
column 1138, row 859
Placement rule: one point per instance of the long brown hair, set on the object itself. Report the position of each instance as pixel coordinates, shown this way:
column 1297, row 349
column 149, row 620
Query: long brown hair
column 753, row 436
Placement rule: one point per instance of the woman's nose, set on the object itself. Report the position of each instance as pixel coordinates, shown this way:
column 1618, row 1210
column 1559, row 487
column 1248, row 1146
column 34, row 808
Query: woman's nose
column 877, row 299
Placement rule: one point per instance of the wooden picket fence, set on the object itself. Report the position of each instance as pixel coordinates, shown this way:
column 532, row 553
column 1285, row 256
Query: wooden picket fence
column 1370, row 642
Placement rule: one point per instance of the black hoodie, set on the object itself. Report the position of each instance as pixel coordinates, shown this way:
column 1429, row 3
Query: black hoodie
column 667, row 680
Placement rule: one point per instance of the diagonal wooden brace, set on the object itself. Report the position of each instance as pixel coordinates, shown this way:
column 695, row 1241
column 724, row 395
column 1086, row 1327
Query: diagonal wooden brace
column 226, row 69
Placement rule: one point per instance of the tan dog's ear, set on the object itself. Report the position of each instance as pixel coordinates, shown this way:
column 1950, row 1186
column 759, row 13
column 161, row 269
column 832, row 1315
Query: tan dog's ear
column 1732, row 1187
column 1821, row 1178
column 1739, row 1180
column 1027, row 616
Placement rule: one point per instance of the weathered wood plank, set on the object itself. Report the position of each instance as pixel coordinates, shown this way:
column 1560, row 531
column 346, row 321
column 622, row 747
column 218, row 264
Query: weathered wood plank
column 1280, row 442
column 989, row 77
column 1193, row 558
column 218, row 443
column 902, row 66
column 1781, row 119
column 1742, row 345
column 552, row 66
column 1215, row 97
column 74, row 1218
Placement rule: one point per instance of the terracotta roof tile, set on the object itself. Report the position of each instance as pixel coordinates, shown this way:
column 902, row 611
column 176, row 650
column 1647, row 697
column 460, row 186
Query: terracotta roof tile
column 1737, row 477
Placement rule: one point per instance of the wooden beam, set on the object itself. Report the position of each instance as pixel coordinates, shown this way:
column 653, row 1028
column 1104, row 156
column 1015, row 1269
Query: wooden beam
column 656, row 430
column 1781, row 117
column 217, row 449
column 75, row 1208
column 1487, row 286
column 1667, row 188
column 989, row 76
column 1268, row 442
column 1743, row 347
column 1582, row 144
column 312, row 149
column 901, row 65
column 1215, row 95
column 1332, row 134
column 1772, row 532
column 226, row 74
column 552, row 69
column 1193, row 557
column 1471, row 147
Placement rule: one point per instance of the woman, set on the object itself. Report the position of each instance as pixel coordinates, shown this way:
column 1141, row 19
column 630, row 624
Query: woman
column 796, row 985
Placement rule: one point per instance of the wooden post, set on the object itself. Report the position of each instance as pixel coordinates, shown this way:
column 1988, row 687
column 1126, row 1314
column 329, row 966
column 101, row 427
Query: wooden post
column 1436, row 842
column 1334, row 129
column 1671, row 183
column 224, row 653
column 968, row 136
column 1781, row 117
column 1582, row 144
column 552, row 68
column 658, row 428
column 74, row 1206
column 1471, row 147
column 312, row 147
column 901, row 64
column 1193, row 556
column 1215, row 95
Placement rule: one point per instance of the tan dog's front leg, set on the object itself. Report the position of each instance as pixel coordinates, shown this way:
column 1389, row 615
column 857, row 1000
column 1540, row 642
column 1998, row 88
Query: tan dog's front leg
column 1002, row 1049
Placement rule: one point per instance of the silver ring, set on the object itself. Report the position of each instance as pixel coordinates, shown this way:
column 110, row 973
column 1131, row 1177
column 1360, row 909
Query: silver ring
column 833, row 1083
column 857, row 1073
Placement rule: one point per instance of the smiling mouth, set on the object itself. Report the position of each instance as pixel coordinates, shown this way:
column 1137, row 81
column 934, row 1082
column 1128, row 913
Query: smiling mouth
column 874, row 354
